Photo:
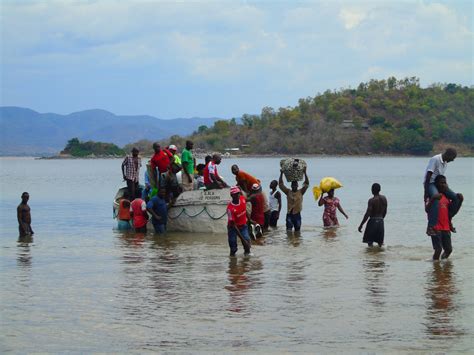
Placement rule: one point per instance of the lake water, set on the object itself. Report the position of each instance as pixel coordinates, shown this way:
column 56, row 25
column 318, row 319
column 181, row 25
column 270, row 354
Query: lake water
column 81, row 286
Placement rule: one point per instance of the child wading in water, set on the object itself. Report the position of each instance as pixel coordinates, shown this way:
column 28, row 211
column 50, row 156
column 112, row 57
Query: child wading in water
column 331, row 203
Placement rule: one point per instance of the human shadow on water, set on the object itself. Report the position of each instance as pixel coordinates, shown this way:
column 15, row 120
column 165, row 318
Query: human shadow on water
column 242, row 277
column 375, row 270
column 441, row 309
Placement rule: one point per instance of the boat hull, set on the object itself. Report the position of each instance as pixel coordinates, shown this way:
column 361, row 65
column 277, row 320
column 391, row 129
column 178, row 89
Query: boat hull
column 197, row 211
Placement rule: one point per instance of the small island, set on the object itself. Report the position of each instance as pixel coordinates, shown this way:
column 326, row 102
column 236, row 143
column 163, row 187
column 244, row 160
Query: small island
column 90, row 149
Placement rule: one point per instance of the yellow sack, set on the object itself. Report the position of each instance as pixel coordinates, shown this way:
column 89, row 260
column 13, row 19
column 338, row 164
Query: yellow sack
column 326, row 184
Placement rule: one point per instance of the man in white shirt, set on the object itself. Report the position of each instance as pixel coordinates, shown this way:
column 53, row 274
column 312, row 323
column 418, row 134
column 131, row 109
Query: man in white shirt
column 437, row 166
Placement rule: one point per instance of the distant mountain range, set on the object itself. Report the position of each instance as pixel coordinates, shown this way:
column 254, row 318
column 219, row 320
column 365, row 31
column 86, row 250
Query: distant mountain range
column 27, row 132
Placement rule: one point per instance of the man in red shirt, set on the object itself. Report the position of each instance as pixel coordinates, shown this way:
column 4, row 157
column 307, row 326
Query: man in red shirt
column 237, row 222
column 212, row 179
column 441, row 240
column 139, row 215
column 161, row 160
column 257, row 217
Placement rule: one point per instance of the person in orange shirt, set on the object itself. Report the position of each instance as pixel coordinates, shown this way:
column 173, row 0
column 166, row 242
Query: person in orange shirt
column 244, row 180
column 441, row 240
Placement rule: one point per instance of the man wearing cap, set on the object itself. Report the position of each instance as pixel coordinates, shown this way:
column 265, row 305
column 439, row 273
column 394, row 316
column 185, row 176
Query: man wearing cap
column 244, row 180
column 294, row 201
column 131, row 171
column 189, row 163
column 237, row 222
column 174, row 152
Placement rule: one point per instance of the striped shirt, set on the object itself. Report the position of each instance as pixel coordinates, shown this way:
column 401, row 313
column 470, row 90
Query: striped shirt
column 437, row 166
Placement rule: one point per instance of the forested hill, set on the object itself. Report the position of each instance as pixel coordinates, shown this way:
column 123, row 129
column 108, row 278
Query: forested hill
column 382, row 116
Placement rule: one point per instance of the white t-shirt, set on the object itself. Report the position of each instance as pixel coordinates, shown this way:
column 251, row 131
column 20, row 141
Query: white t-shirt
column 437, row 166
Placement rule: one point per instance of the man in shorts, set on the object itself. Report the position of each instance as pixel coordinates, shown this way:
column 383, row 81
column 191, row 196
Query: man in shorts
column 376, row 211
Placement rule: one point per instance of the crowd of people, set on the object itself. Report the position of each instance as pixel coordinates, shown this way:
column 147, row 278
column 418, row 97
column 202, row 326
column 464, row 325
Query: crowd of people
column 251, row 211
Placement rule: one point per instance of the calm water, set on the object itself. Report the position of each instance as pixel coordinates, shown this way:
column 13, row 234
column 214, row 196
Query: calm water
column 80, row 286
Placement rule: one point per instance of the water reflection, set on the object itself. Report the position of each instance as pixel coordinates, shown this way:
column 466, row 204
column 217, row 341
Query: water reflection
column 242, row 277
column 329, row 234
column 440, row 290
column 24, row 257
column 375, row 270
column 294, row 238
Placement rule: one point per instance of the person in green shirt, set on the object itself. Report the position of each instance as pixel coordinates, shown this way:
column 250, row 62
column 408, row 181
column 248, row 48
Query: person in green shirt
column 188, row 163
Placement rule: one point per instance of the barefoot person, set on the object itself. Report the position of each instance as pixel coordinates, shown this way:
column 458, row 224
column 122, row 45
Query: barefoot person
column 237, row 222
column 294, row 201
column 376, row 210
column 331, row 204
column 23, row 212
column 437, row 166
column 441, row 240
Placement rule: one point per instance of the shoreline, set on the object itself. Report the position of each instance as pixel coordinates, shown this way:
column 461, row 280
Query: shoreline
column 242, row 156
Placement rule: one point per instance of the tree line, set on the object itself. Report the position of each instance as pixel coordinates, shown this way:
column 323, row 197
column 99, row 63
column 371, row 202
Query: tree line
column 380, row 116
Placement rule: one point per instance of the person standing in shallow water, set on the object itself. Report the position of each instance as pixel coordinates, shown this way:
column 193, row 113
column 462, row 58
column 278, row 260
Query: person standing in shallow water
column 376, row 210
column 294, row 201
column 237, row 221
column 24, row 216
column 441, row 240
column 331, row 203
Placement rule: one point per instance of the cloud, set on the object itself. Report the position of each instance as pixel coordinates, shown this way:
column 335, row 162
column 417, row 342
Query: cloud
column 265, row 50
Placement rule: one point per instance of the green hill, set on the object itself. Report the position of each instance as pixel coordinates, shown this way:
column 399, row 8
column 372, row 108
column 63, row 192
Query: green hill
column 381, row 116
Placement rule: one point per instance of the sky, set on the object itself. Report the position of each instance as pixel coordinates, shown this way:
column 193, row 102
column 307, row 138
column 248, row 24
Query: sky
column 221, row 58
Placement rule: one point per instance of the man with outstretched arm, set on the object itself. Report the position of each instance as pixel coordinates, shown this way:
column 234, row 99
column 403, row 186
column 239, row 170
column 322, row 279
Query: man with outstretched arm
column 294, row 201
column 376, row 211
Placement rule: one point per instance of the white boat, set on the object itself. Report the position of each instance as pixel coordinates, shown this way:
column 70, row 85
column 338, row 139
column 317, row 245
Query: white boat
column 197, row 211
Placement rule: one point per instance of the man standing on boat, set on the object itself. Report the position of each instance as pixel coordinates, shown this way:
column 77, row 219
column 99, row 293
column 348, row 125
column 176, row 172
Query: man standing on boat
column 188, row 163
column 237, row 222
column 159, row 161
column 131, row 172
column 294, row 201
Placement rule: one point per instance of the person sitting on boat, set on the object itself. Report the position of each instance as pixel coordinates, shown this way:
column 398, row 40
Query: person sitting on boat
column 237, row 222
column 123, row 217
column 139, row 215
column 257, row 216
column 214, row 181
column 244, row 179
column 160, row 162
column 158, row 209
column 199, row 177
